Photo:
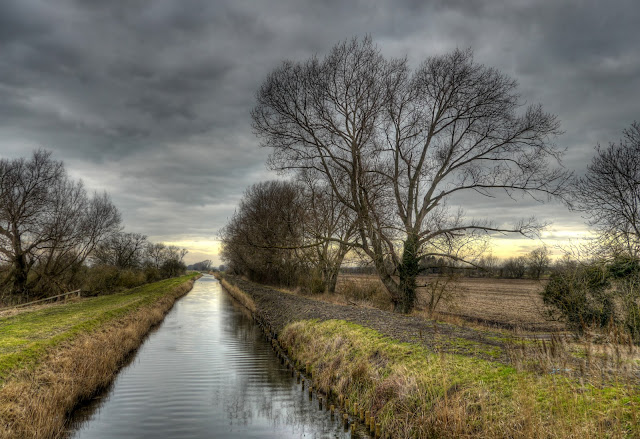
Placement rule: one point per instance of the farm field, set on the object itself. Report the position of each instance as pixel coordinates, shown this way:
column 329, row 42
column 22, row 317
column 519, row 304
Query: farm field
column 502, row 303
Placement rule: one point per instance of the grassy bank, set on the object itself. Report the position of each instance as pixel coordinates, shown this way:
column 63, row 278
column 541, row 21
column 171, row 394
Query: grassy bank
column 415, row 392
column 238, row 294
column 422, row 378
column 52, row 359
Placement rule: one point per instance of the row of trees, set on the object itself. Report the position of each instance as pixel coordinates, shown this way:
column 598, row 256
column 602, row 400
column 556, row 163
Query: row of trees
column 49, row 225
column 51, row 230
column 534, row 264
column 132, row 251
column 277, row 235
column 202, row 266
column 391, row 146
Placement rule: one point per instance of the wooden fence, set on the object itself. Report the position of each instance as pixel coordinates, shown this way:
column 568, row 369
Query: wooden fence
column 65, row 295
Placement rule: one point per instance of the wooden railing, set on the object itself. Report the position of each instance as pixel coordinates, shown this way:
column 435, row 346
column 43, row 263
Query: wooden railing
column 65, row 295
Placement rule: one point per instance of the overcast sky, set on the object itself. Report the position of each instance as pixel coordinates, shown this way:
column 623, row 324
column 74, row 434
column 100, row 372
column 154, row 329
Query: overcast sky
column 150, row 100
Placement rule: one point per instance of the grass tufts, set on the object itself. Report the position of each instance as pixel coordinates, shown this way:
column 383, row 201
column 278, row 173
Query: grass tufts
column 415, row 392
column 239, row 295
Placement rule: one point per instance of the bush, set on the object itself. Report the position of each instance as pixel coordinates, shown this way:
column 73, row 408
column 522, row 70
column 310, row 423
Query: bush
column 172, row 268
column 131, row 278
column 107, row 279
column 581, row 296
column 100, row 279
column 152, row 274
column 443, row 289
column 365, row 290
column 597, row 294
column 315, row 284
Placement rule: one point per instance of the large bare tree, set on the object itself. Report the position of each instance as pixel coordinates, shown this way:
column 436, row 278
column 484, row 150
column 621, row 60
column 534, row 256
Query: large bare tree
column 396, row 144
column 609, row 194
column 48, row 223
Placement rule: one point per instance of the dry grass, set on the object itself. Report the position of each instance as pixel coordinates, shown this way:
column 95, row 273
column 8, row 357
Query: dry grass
column 15, row 311
column 497, row 303
column 599, row 358
column 554, row 387
column 414, row 392
column 36, row 400
column 358, row 290
column 239, row 295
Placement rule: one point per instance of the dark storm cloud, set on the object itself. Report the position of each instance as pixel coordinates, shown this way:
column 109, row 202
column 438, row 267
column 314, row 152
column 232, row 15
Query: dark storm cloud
column 151, row 100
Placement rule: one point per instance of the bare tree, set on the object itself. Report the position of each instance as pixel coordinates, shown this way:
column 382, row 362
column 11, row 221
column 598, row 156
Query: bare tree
column 514, row 268
column 328, row 224
column 161, row 260
column 263, row 238
column 48, row 224
column 172, row 264
column 489, row 265
column 155, row 254
column 121, row 250
column 394, row 145
column 538, row 261
column 609, row 194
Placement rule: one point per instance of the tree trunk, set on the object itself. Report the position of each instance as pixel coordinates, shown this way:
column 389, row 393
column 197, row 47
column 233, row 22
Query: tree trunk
column 408, row 272
column 20, row 273
column 402, row 291
column 331, row 280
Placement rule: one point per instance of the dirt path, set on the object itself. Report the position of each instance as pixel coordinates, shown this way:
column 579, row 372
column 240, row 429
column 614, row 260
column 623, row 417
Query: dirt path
column 279, row 309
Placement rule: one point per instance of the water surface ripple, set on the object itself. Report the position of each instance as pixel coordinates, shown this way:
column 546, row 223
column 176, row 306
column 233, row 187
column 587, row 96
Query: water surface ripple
column 206, row 372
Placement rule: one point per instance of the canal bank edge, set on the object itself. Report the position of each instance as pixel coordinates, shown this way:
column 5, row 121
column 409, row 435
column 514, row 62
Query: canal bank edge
column 37, row 399
column 414, row 391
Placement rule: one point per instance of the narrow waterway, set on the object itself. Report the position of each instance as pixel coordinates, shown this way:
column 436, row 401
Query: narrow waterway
column 206, row 372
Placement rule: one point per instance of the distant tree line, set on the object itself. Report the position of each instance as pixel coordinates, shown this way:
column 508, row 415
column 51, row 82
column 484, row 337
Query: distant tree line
column 54, row 236
column 534, row 265
column 204, row 266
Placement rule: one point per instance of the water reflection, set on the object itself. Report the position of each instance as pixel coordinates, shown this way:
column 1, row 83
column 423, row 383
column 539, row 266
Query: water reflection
column 206, row 372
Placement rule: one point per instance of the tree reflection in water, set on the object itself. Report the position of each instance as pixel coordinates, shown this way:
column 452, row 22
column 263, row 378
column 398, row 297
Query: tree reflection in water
column 206, row 372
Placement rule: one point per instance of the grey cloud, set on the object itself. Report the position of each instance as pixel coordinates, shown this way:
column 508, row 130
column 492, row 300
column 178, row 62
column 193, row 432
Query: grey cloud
column 151, row 100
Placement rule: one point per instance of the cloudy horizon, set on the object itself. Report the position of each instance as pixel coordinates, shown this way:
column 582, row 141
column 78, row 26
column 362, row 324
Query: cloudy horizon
column 150, row 101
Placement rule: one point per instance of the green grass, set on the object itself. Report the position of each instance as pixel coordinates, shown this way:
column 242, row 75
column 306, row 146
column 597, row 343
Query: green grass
column 415, row 392
column 25, row 338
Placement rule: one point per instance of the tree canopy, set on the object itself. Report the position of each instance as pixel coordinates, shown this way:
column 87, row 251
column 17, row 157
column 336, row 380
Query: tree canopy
column 395, row 144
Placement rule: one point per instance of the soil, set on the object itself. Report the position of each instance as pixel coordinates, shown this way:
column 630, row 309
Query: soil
column 278, row 309
column 512, row 304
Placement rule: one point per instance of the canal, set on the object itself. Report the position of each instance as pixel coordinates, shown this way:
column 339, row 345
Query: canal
column 205, row 372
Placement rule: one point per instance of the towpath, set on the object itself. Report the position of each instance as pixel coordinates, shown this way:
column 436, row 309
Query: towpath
column 279, row 309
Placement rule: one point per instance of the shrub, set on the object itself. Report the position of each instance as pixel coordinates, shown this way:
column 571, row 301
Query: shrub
column 315, row 284
column 100, row 279
column 365, row 290
column 131, row 278
column 598, row 294
column 152, row 274
column 581, row 296
column 443, row 289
